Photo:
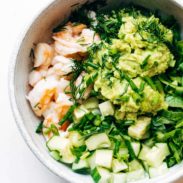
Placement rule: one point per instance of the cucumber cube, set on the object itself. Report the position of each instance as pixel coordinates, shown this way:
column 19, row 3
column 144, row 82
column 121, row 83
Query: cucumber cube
column 154, row 172
column 139, row 129
column 101, row 175
column 136, row 147
column 118, row 166
column 55, row 155
column 118, row 178
column 134, row 165
column 82, row 164
column 135, row 175
column 154, row 156
column 145, row 149
column 91, row 103
column 102, row 158
column 79, row 112
column 106, row 108
column 98, row 141
column 76, row 138
column 63, row 146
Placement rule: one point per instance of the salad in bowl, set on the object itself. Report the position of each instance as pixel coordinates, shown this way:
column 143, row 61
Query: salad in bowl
column 108, row 90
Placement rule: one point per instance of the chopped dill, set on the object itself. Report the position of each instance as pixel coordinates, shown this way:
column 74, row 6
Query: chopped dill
column 77, row 69
column 151, row 31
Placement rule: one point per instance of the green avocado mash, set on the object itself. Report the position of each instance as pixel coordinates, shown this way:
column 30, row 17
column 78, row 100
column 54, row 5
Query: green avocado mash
column 138, row 54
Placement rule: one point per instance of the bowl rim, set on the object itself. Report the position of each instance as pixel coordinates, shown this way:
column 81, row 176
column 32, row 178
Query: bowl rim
column 12, row 99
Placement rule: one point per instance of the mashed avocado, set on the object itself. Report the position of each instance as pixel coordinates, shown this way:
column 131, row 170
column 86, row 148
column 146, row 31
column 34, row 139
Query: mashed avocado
column 139, row 51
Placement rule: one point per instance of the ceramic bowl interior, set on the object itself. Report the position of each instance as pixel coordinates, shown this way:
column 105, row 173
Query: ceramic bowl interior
column 40, row 31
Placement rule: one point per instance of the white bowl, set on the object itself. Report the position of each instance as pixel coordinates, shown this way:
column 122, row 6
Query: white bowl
column 40, row 30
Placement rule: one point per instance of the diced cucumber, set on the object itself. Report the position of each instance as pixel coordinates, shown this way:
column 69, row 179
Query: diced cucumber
column 58, row 143
column 63, row 146
column 91, row 103
column 79, row 112
column 85, row 155
column 67, row 157
column 106, row 108
column 145, row 149
column 135, row 175
column 139, row 129
column 134, row 165
column 101, row 175
column 55, row 155
column 154, row 172
column 145, row 166
column 76, row 139
column 118, row 166
column 154, row 156
column 98, row 141
column 96, row 111
column 91, row 161
column 123, row 153
column 82, row 164
column 102, row 158
column 118, row 178
column 164, row 148
column 136, row 147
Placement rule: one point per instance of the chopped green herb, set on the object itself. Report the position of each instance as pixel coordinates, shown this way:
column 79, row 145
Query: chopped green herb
column 68, row 115
column 145, row 62
column 39, row 128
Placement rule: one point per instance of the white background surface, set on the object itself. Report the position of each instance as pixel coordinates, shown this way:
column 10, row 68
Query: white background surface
column 17, row 163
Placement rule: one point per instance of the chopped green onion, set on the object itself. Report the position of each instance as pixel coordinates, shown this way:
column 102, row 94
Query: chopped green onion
column 145, row 62
column 95, row 175
column 149, row 81
column 116, row 146
column 131, row 83
column 90, row 64
column 39, row 128
column 68, row 115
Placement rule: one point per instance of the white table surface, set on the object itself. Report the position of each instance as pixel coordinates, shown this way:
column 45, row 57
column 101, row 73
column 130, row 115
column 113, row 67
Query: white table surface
column 17, row 163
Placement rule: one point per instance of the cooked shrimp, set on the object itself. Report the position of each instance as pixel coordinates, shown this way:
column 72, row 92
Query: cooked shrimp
column 87, row 92
column 50, row 79
column 51, row 113
column 57, row 110
column 62, row 85
column 77, row 44
column 41, row 95
column 62, row 65
column 43, row 55
column 89, row 37
column 70, row 41
column 78, row 83
column 54, row 113
column 77, row 29
column 35, row 76
column 70, row 30
column 64, row 102
column 79, row 79
column 60, row 59
column 68, row 50
column 66, row 33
